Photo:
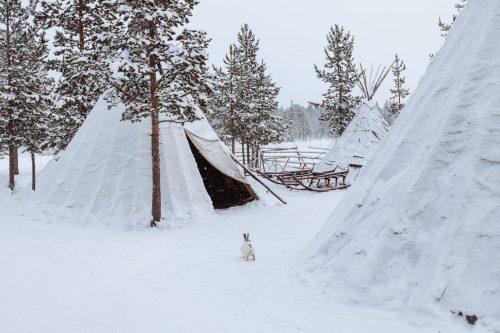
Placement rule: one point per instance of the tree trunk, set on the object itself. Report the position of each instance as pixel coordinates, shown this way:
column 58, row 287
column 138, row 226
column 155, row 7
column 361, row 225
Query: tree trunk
column 81, row 4
column 243, row 151
column 155, row 154
column 33, row 172
column 233, row 131
column 249, row 161
column 16, row 161
column 81, row 11
column 257, row 155
column 12, row 183
column 155, row 137
column 12, row 148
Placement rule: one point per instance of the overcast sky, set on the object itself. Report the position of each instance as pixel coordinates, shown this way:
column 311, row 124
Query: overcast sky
column 292, row 36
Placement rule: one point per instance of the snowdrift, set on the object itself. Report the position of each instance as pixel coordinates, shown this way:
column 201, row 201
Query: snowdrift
column 421, row 227
column 104, row 176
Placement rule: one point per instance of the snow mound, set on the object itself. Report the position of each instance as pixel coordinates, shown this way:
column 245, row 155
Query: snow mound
column 104, row 176
column 421, row 227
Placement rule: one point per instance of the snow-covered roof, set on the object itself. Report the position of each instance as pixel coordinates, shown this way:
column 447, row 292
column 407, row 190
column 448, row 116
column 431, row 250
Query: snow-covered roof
column 421, row 227
column 359, row 141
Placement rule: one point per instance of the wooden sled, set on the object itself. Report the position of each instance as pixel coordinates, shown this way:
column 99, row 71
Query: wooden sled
column 307, row 180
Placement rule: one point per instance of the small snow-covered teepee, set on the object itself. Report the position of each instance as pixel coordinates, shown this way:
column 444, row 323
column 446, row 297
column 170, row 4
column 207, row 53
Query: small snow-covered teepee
column 421, row 227
column 362, row 136
column 359, row 141
column 105, row 177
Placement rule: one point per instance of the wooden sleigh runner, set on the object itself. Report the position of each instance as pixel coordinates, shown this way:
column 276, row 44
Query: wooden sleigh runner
column 307, row 180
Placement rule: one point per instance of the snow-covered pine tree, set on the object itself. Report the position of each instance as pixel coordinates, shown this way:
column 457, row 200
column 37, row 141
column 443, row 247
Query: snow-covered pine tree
column 81, row 83
column 247, row 47
column 158, row 69
column 298, row 127
column 35, row 102
column 388, row 116
column 24, row 96
column 303, row 123
column 225, row 100
column 399, row 92
column 244, row 101
column 446, row 27
column 267, row 127
column 341, row 75
column 13, row 22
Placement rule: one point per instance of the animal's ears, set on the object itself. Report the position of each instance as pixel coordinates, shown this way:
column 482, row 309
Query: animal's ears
column 245, row 236
column 248, row 236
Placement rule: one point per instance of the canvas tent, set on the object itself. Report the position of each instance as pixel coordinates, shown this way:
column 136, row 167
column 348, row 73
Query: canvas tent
column 104, row 176
column 364, row 133
column 358, row 143
column 420, row 229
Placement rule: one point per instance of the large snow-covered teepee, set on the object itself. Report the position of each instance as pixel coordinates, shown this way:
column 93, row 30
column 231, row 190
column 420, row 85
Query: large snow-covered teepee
column 421, row 226
column 104, row 176
column 358, row 142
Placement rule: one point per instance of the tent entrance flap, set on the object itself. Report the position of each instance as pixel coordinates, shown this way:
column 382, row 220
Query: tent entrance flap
column 224, row 191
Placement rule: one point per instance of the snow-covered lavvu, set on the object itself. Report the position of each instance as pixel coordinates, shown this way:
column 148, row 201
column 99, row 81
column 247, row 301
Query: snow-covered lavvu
column 144, row 189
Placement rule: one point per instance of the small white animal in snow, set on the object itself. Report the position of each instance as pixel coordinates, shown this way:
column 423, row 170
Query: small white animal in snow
column 246, row 248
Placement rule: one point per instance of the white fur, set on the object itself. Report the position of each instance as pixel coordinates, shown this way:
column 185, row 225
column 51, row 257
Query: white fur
column 247, row 250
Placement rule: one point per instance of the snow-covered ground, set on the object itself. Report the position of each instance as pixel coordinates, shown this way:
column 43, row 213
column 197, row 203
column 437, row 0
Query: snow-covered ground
column 61, row 277
column 420, row 228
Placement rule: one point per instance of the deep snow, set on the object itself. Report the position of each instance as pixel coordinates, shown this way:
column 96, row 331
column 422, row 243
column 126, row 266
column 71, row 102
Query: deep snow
column 420, row 229
column 61, row 277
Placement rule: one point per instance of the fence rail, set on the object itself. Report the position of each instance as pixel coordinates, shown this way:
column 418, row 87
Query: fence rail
column 283, row 159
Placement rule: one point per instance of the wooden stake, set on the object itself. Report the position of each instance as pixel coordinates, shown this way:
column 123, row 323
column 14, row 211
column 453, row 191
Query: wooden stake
column 257, row 179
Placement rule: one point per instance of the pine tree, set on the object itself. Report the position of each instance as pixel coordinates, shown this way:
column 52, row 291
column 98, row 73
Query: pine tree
column 81, row 82
column 298, row 127
column 159, row 70
column 36, row 102
column 225, row 101
column 13, row 23
column 446, row 27
column 24, row 94
column 244, row 101
column 386, row 113
column 267, row 126
column 247, row 48
column 340, row 74
column 399, row 92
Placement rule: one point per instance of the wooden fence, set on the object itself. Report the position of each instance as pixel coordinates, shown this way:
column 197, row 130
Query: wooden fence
column 284, row 159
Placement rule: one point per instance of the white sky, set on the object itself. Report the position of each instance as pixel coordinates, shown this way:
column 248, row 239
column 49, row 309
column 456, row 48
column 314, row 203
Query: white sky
column 292, row 36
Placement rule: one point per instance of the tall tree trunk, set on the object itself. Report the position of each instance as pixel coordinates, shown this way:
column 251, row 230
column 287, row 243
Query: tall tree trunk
column 233, row 131
column 81, row 4
column 249, row 161
column 12, row 148
column 155, row 137
column 257, row 156
column 33, row 172
column 243, row 151
column 12, row 182
column 81, row 31
column 16, row 161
